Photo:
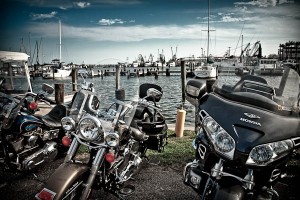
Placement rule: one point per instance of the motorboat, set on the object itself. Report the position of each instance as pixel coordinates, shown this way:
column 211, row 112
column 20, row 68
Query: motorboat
column 14, row 73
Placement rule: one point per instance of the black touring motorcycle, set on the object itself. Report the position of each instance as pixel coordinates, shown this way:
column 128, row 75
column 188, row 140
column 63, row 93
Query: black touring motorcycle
column 116, row 148
column 248, row 129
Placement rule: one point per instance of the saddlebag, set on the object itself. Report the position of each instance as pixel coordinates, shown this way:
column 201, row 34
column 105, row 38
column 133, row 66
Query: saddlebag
column 157, row 134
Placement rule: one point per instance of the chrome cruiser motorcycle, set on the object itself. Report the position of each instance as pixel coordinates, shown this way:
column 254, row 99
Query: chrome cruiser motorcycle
column 27, row 141
column 115, row 153
column 248, row 129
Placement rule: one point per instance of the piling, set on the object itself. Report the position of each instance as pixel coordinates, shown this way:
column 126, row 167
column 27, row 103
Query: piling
column 119, row 92
column 183, row 79
column 180, row 119
column 74, row 79
column 167, row 72
column 59, row 93
column 209, row 84
column 117, row 77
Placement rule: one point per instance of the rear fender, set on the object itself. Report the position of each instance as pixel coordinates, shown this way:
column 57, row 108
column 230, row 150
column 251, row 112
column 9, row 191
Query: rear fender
column 62, row 179
column 229, row 189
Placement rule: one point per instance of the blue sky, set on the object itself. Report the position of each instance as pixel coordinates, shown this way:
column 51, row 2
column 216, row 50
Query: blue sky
column 109, row 31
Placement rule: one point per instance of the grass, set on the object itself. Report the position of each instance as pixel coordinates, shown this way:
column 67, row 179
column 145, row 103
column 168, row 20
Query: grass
column 179, row 151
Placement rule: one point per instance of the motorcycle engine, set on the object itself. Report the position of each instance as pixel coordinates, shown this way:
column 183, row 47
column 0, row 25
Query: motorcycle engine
column 45, row 154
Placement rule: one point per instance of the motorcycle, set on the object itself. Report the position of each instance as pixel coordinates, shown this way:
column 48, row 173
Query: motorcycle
column 115, row 152
column 27, row 140
column 248, row 130
column 149, row 118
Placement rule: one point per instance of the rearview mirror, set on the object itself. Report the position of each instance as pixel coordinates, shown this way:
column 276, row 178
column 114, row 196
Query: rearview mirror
column 194, row 90
column 47, row 88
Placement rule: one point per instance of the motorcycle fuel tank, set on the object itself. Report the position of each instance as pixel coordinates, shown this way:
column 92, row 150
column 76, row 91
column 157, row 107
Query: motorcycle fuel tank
column 25, row 123
column 249, row 125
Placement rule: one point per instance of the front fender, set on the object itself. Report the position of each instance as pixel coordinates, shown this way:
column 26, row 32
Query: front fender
column 228, row 189
column 62, row 179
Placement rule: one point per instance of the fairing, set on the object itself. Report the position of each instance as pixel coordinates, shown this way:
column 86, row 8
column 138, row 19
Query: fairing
column 250, row 132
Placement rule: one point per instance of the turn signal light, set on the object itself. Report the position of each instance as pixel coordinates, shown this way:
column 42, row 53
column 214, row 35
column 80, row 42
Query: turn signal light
column 110, row 157
column 66, row 141
column 33, row 105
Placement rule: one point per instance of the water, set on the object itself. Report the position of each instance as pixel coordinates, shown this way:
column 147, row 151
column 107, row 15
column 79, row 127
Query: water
column 171, row 86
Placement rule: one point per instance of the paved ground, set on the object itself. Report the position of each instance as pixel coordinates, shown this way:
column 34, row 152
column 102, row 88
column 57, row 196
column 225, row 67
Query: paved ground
column 153, row 182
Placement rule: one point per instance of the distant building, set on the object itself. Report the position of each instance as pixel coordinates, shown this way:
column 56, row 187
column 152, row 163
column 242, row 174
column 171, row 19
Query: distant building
column 289, row 51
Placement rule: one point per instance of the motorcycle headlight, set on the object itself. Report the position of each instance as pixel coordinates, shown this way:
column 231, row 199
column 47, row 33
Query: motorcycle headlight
column 90, row 128
column 68, row 124
column 112, row 139
column 222, row 141
column 264, row 154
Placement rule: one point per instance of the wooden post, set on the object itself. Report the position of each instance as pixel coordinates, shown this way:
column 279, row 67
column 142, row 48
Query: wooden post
column 74, row 78
column 168, row 72
column 59, row 93
column 183, row 79
column 117, row 77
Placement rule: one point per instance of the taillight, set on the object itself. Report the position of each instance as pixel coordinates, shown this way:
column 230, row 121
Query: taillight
column 45, row 194
column 66, row 141
column 33, row 105
column 110, row 157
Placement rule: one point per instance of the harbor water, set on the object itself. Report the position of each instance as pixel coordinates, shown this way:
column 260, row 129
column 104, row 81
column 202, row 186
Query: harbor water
column 105, row 88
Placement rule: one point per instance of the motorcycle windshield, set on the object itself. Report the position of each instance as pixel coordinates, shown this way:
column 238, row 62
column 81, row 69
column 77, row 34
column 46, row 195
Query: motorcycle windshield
column 272, row 92
column 118, row 113
column 83, row 102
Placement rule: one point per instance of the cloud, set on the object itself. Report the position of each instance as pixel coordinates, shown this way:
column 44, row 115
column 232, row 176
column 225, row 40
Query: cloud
column 72, row 3
column 62, row 8
column 108, row 22
column 264, row 3
column 43, row 16
column 82, row 4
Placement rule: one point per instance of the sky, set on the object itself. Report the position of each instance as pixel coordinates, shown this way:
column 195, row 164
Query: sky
column 111, row 31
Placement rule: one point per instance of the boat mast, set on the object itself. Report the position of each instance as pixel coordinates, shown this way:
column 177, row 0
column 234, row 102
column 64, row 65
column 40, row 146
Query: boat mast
column 59, row 40
column 208, row 30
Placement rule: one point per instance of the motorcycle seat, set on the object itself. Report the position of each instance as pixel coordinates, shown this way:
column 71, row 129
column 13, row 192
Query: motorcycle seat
column 53, row 118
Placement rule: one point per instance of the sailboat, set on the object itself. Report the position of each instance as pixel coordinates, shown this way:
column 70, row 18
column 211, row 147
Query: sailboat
column 56, row 69
column 207, row 70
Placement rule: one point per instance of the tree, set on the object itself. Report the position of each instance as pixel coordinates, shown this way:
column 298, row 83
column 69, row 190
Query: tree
column 273, row 56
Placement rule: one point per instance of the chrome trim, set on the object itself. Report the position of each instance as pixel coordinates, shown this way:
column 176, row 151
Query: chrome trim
column 202, row 151
column 296, row 141
column 217, row 172
column 275, row 174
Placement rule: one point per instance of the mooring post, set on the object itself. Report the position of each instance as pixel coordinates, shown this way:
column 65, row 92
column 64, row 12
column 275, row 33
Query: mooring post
column 117, row 77
column 120, row 92
column 59, row 93
column 183, row 79
column 74, row 78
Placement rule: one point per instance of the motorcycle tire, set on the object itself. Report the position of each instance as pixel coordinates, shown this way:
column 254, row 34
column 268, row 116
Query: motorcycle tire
column 229, row 192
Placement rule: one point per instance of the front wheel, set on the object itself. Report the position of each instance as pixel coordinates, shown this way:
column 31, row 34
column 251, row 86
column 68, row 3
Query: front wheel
column 228, row 191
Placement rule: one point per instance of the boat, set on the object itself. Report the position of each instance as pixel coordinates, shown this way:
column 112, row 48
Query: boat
column 14, row 73
column 208, row 70
column 57, row 68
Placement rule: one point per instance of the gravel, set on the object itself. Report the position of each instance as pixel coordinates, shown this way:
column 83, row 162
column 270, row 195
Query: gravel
column 153, row 182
